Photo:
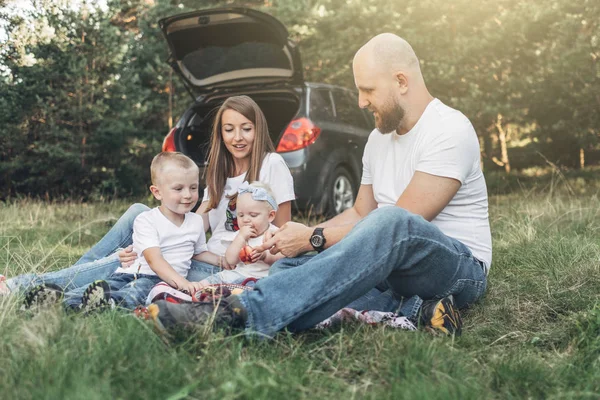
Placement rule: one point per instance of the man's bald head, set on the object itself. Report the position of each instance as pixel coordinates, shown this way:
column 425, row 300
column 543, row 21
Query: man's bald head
column 389, row 82
column 389, row 53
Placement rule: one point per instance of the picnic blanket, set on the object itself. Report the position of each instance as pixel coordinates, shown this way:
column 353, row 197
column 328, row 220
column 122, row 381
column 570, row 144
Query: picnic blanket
column 368, row 317
column 163, row 291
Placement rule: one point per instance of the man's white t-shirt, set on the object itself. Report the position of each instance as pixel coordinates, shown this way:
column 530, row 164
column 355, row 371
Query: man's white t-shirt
column 442, row 143
column 223, row 219
column 178, row 244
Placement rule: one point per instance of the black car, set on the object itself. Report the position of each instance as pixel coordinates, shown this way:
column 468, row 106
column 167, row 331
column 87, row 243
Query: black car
column 318, row 129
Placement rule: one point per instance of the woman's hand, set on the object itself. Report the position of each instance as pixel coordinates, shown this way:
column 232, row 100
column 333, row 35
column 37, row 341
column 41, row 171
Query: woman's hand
column 127, row 256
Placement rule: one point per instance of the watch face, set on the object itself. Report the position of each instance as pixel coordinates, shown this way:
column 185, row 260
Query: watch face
column 316, row 241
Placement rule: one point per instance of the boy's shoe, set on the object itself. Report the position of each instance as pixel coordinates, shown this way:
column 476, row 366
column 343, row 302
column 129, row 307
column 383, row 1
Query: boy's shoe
column 96, row 297
column 44, row 295
column 162, row 291
column 441, row 316
column 170, row 316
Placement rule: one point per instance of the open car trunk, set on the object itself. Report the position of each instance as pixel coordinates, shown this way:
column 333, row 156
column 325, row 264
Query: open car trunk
column 230, row 47
column 279, row 109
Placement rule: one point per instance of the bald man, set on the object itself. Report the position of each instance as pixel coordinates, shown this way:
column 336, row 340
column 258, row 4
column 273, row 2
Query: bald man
column 417, row 240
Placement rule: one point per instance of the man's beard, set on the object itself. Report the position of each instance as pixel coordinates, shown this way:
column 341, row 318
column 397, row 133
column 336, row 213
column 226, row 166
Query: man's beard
column 390, row 117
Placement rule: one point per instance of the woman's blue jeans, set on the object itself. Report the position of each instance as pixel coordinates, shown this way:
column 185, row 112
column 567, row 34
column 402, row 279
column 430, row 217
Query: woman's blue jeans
column 100, row 261
column 390, row 248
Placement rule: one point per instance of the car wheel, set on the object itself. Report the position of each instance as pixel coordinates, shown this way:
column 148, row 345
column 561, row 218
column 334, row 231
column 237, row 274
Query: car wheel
column 341, row 192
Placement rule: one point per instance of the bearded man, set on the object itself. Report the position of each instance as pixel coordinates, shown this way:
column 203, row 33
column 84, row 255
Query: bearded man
column 418, row 235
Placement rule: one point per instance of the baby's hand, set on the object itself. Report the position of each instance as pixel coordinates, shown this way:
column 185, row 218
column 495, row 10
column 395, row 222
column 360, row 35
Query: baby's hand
column 247, row 232
column 257, row 255
column 246, row 254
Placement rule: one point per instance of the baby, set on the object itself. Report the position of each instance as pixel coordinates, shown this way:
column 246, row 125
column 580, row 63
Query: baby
column 256, row 208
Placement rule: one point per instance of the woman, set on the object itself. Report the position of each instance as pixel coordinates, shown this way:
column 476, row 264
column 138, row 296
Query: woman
column 241, row 150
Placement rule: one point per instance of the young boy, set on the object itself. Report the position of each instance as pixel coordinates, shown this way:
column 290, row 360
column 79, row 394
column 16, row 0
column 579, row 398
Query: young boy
column 166, row 238
column 256, row 208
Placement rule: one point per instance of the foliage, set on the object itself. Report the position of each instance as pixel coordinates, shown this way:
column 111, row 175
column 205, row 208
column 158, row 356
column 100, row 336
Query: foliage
column 85, row 93
column 83, row 109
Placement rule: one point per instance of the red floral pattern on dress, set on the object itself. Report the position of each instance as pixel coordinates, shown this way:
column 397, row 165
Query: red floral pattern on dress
column 231, row 223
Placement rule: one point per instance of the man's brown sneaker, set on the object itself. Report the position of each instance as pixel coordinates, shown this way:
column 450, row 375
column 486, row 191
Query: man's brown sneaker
column 227, row 312
column 441, row 316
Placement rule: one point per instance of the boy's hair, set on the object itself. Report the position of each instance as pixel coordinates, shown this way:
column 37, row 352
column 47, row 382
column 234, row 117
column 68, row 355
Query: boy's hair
column 264, row 186
column 161, row 160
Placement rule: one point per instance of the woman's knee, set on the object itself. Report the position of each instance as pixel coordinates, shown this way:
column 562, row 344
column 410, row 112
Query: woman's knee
column 135, row 209
column 131, row 214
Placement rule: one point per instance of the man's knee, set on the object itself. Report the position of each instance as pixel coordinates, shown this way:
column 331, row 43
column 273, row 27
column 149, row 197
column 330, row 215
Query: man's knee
column 391, row 218
column 287, row 263
column 280, row 265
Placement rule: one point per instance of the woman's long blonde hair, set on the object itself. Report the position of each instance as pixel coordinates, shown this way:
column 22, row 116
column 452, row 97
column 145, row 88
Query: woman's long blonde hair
column 221, row 164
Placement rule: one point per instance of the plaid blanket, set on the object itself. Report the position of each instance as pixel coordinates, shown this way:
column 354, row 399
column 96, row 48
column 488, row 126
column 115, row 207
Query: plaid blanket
column 368, row 317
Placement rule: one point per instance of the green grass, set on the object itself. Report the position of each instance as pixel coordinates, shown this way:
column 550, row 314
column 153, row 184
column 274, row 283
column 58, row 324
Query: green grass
column 536, row 334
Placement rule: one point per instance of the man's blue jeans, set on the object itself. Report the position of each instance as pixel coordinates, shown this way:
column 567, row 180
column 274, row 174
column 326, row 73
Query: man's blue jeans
column 101, row 260
column 390, row 247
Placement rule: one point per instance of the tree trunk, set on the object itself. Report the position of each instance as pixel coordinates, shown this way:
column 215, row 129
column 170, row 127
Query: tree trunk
column 82, row 134
column 170, row 99
column 502, row 137
column 488, row 148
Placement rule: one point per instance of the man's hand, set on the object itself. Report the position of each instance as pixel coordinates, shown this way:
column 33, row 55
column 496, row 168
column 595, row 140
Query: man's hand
column 290, row 240
column 127, row 256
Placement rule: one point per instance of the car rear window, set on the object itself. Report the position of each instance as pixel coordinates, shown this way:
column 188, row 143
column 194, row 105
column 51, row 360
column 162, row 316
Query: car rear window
column 210, row 61
column 347, row 109
column 321, row 107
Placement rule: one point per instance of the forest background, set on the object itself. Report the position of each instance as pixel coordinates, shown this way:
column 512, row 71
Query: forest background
column 86, row 94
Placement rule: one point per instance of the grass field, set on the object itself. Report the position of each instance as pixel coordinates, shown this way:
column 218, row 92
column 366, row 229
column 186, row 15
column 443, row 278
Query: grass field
column 536, row 334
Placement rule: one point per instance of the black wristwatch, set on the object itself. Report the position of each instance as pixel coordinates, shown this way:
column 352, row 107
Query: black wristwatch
column 317, row 240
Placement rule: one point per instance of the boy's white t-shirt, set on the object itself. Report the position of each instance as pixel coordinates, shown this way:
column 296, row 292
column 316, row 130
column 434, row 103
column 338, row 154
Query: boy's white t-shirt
column 178, row 244
column 442, row 143
column 223, row 219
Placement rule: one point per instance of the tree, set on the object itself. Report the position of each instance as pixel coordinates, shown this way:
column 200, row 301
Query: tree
column 87, row 99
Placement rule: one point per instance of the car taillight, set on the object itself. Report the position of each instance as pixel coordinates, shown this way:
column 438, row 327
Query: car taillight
column 169, row 142
column 300, row 133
